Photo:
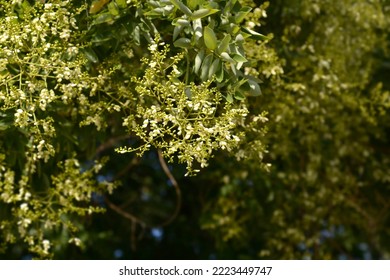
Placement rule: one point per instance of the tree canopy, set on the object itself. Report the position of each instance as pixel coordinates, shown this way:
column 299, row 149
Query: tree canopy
column 167, row 129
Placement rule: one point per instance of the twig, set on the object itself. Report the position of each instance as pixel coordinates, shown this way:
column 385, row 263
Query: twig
column 111, row 142
column 123, row 213
column 135, row 220
column 129, row 166
column 175, row 185
column 133, row 236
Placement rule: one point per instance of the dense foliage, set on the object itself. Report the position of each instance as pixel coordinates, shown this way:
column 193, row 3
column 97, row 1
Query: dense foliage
column 108, row 106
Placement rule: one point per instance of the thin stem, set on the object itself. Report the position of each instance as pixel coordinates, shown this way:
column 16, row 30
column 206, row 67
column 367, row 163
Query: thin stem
column 111, row 142
column 188, row 68
column 123, row 213
column 177, row 189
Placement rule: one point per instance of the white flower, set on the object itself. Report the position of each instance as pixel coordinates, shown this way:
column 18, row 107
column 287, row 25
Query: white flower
column 18, row 113
column 24, row 207
column 75, row 240
column 27, row 196
column 153, row 47
column 24, row 223
column 46, row 246
column 223, row 145
column 251, row 24
column 145, row 123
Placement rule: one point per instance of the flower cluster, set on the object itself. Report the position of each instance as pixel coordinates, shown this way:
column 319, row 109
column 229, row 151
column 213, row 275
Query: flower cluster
column 187, row 121
column 44, row 83
column 55, row 90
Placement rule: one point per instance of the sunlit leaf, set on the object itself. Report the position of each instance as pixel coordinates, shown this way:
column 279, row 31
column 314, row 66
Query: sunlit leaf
column 203, row 13
column 198, row 29
column 193, row 4
column 97, row 6
column 242, row 14
column 224, row 44
column 113, row 9
column 239, row 58
column 226, row 57
column 181, row 22
column 254, row 34
column 229, row 98
column 179, row 4
column 121, row 3
column 210, row 39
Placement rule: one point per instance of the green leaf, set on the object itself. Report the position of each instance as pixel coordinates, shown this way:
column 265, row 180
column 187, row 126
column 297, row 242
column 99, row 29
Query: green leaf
column 181, row 22
column 91, row 55
column 176, row 31
column 4, row 125
column 211, row 5
column 229, row 6
column 160, row 11
column 197, row 26
column 198, row 61
column 205, row 67
column 157, row 12
column 251, row 88
column 254, row 34
column 229, row 98
column 234, row 69
column 242, row 14
column 121, row 3
column 100, row 38
column 178, row 4
column 192, row 4
column 13, row 68
column 226, row 57
column 203, row 13
column 113, row 9
column 233, row 28
column 26, row 6
column 224, row 44
column 182, row 43
column 137, row 35
column 239, row 58
column 238, row 95
column 103, row 18
column 255, row 89
column 210, row 39
column 240, row 39
column 97, row 6
column 220, row 73
column 214, row 67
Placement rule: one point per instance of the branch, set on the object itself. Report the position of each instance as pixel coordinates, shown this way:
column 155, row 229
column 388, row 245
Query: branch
column 177, row 190
column 129, row 166
column 135, row 220
column 111, row 142
column 123, row 213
